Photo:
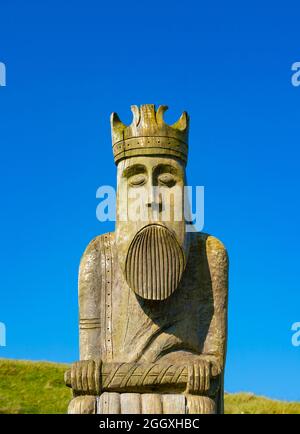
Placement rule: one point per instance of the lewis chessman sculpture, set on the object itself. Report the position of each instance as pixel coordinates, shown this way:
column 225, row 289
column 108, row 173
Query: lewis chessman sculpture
column 152, row 295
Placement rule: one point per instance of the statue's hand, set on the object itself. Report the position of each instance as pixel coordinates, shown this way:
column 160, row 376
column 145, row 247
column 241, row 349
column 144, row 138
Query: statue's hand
column 199, row 376
column 84, row 377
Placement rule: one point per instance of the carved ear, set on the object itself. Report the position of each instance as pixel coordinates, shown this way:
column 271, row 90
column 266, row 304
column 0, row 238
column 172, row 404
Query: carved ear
column 160, row 113
column 182, row 122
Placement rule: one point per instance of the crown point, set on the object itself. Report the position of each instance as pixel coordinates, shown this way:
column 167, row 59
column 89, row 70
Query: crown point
column 116, row 122
column 182, row 122
column 160, row 114
column 114, row 118
column 136, row 114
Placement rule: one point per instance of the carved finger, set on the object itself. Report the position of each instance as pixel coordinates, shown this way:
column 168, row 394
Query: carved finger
column 78, row 377
column 207, row 376
column 84, row 370
column 202, row 376
column 215, row 369
column 73, row 377
column 197, row 377
column 91, row 377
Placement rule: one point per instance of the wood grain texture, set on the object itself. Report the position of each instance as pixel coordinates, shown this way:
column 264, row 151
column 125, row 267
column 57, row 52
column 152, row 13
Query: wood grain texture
column 109, row 403
column 152, row 297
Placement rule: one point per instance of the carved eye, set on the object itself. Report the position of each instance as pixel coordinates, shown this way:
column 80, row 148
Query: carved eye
column 167, row 179
column 137, row 180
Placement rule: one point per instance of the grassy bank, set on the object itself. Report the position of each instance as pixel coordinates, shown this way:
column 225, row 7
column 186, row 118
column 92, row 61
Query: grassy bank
column 38, row 387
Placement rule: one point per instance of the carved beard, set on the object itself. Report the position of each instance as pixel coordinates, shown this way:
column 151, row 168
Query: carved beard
column 154, row 263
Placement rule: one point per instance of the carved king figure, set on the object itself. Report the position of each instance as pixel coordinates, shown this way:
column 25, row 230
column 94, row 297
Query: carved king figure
column 152, row 295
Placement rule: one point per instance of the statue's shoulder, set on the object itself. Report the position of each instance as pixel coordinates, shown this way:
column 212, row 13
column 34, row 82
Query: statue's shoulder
column 101, row 244
column 212, row 259
column 212, row 246
column 93, row 266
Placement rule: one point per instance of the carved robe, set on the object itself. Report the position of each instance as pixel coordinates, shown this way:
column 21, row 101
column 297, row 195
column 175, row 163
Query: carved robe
column 116, row 325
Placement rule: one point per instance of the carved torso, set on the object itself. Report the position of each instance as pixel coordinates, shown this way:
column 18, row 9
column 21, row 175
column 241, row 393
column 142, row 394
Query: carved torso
column 127, row 328
column 152, row 295
column 116, row 325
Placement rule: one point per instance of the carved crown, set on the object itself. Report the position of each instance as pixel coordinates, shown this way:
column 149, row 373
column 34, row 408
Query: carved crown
column 148, row 134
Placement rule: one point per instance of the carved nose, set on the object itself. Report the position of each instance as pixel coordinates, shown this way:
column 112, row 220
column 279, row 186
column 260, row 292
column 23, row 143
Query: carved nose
column 154, row 199
column 155, row 206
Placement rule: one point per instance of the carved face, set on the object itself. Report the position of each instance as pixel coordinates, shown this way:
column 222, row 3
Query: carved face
column 150, row 230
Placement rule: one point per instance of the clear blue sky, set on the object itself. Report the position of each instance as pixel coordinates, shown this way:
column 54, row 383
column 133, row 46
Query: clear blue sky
column 69, row 65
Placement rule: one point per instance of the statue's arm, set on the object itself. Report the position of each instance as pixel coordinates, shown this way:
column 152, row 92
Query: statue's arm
column 216, row 341
column 210, row 363
column 81, row 377
column 89, row 293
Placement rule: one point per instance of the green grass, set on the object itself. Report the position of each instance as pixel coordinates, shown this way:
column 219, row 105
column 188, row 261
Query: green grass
column 38, row 387
column 32, row 387
column 248, row 403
